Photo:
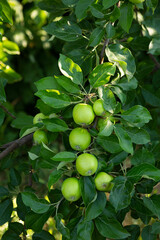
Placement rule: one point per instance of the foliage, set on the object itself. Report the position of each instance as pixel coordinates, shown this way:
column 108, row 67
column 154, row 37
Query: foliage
column 54, row 55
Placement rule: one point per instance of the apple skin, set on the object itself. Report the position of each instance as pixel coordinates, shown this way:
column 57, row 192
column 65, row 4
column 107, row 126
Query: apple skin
column 79, row 139
column 86, row 164
column 103, row 181
column 38, row 118
column 83, row 114
column 40, row 136
column 98, row 107
column 71, row 189
column 136, row 1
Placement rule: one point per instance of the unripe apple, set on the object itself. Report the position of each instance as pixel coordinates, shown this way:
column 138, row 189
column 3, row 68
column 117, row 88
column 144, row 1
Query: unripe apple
column 103, row 181
column 79, row 139
column 86, row 164
column 71, row 189
column 38, row 118
column 83, row 114
column 136, row 1
column 98, row 107
column 40, row 136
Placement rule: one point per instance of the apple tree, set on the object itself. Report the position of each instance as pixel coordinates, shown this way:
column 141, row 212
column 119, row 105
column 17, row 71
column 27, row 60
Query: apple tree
column 86, row 165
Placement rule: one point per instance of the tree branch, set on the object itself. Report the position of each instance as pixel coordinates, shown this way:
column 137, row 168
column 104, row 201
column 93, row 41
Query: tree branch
column 10, row 147
column 103, row 50
column 155, row 61
column 6, row 110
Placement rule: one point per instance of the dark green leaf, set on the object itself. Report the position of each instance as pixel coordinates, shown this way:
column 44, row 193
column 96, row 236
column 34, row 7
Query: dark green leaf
column 137, row 135
column 96, row 207
column 67, row 84
column 108, row 4
column 121, row 193
column 142, row 156
column 22, row 120
column 43, row 235
column 61, row 227
column 2, row 116
column 109, row 101
column 110, row 30
column 126, row 16
column 6, row 208
column 151, row 96
column 154, row 47
column 54, row 177
column 156, row 228
column 134, row 230
column 126, row 84
column 106, row 129
column 64, row 156
column 123, row 58
column 36, row 204
column 10, row 235
column 110, row 144
column 153, row 204
column 120, row 94
column 101, row 74
column 124, row 139
column 147, row 233
column 55, row 125
column 87, row 189
column 15, row 177
column 16, row 227
column 6, row 11
column 85, row 230
column 2, row 92
column 64, row 29
column 81, row 8
column 96, row 36
column 96, row 10
column 48, row 83
column 3, row 192
column 54, row 98
column 70, row 69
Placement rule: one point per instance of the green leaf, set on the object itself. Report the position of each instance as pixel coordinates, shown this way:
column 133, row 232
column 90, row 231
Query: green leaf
column 61, row 227
column 6, row 10
column 156, row 228
column 109, row 101
column 101, row 74
column 110, row 227
column 126, row 16
column 142, row 156
column 16, row 227
column 152, row 4
column 134, row 231
column 120, row 94
column 10, row 74
column 106, row 129
column 43, row 235
column 54, row 177
column 10, row 235
column 96, row 10
column 151, row 96
column 36, row 204
column 69, row 2
column 64, row 156
column 96, row 36
column 70, row 69
column 2, row 116
column 10, row 47
column 55, row 125
column 124, row 139
column 54, row 98
column 147, row 233
column 137, row 135
column 85, row 230
column 87, row 189
column 3, row 192
column 108, row 4
column 6, row 208
column 123, row 58
column 22, row 120
column 126, row 84
column 81, row 8
column 144, row 170
column 48, row 83
column 137, row 114
column 153, row 204
column 110, row 144
column 95, row 208
column 64, row 29
column 110, row 30
column 36, row 221
column 121, row 193
column 15, row 177
column 2, row 92
column 67, row 84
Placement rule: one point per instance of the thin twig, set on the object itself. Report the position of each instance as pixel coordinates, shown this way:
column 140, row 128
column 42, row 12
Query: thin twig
column 103, row 50
column 15, row 144
column 155, row 61
column 6, row 110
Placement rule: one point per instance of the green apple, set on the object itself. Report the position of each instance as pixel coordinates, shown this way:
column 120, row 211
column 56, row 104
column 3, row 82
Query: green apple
column 86, row 164
column 83, row 114
column 40, row 136
column 98, row 107
column 71, row 189
column 79, row 139
column 136, row 1
column 38, row 118
column 103, row 181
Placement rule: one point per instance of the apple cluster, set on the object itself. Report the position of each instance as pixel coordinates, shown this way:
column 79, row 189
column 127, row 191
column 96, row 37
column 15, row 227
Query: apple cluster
column 86, row 163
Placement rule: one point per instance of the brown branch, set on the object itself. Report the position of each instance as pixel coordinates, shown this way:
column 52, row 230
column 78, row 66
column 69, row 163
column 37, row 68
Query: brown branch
column 15, row 144
column 155, row 61
column 103, row 50
column 6, row 110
